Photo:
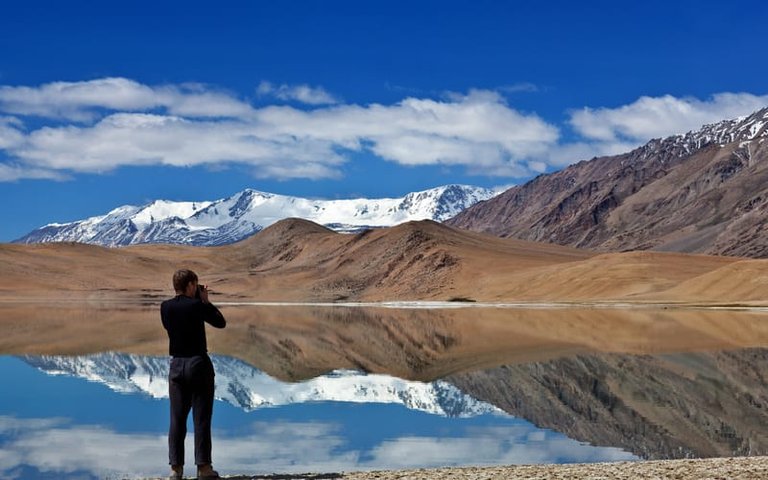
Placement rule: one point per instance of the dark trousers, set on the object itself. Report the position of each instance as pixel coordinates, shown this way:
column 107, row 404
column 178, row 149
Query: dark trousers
column 190, row 386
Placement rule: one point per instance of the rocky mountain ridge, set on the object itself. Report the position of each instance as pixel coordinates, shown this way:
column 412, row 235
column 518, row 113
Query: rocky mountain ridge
column 702, row 192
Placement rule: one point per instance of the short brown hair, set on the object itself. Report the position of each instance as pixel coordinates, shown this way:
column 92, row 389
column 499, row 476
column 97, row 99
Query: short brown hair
column 182, row 278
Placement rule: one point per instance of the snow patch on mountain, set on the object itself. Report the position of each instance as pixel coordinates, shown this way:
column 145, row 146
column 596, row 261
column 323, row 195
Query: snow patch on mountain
column 234, row 218
column 246, row 387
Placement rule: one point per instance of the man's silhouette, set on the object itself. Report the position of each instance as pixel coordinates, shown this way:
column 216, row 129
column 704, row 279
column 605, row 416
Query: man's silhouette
column 190, row 378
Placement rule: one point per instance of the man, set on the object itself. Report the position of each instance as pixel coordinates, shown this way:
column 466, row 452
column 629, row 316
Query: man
column 190, row 378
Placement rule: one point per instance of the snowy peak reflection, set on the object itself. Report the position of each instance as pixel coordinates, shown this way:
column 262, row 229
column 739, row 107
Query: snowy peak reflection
column 246, row 387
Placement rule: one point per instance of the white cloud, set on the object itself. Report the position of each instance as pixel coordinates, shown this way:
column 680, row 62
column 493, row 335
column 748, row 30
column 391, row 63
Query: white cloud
column 299, row 93
column 145, row 139
column 653, row 117
column 81, row 101
column 10, row 132
column 611, row 131
column 12, row 137
column 477, row 130
column 196, row 127
column 13, row 172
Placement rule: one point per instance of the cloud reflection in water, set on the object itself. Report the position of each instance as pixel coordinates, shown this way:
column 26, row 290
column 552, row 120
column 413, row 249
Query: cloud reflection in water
column 59, row 445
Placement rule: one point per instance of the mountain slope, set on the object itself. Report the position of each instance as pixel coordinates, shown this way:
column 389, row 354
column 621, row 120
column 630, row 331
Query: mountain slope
column 245, row 213
column 421, row 259
column 702, row 192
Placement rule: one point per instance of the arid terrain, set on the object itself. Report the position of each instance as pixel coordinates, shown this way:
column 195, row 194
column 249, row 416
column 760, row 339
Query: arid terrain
column 296, row 260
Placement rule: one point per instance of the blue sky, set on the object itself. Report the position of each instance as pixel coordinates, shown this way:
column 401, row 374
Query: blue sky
column 104, row 104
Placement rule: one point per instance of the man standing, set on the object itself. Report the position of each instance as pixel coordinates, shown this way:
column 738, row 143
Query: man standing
column 190, row 378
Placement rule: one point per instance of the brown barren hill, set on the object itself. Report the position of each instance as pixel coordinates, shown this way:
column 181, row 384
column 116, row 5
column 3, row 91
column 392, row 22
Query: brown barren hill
column 297, row 260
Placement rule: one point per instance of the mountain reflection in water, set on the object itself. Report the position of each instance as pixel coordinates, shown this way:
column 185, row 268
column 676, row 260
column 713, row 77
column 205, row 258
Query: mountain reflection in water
column 663, row 406
column 65, row 423
column 246, row 387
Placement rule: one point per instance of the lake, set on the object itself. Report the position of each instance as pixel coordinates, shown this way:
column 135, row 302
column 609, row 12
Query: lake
column 331, row 388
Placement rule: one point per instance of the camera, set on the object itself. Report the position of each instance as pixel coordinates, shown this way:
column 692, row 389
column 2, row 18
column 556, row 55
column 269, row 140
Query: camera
column 200, row 289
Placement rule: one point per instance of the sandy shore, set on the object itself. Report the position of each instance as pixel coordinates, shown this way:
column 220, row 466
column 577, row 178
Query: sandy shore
column 740, row 468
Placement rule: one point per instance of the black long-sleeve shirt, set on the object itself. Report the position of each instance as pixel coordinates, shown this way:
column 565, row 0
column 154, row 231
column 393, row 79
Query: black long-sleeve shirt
column 184, row 319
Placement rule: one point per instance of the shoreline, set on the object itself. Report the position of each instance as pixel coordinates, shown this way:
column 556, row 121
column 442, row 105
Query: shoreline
column 414, row 304
column 731, row 468
column 426, row 304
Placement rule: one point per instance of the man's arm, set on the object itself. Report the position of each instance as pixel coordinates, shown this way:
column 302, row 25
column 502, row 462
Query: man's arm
column 213, row 316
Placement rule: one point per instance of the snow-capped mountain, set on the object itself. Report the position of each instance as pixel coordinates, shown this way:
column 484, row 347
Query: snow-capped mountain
column 232, row 219
column 246, row 387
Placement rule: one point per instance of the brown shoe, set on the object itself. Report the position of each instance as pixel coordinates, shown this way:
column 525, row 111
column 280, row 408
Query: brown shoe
column 177, row 472
column 207, row 472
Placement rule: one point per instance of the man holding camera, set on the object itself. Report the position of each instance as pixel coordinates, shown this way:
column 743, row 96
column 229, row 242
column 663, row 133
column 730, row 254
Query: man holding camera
column 190, row 378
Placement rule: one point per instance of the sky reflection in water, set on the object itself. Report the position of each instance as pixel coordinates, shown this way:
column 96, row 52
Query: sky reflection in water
column 59, row 426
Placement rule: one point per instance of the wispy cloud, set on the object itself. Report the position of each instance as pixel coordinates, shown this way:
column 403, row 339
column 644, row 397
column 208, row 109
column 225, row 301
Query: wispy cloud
column 298, row 93
column 526, row 87
column 10, row 172
column 88, row 100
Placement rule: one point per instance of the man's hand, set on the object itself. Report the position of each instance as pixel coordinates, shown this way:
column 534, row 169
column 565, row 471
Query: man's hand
column 203, row 293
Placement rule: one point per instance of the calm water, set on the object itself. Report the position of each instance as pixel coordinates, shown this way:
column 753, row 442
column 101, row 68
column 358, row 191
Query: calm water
column 93, row 416
column 470, row 386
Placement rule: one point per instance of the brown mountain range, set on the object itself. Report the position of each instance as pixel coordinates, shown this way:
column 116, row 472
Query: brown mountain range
column 297, row 260
column 703, row 192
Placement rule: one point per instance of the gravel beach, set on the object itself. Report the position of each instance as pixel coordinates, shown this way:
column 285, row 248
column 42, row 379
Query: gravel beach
column 717, row 468
column 739, row 468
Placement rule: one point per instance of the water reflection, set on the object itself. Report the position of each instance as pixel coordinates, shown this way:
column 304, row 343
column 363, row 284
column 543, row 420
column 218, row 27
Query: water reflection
column 62, row 425
column 660, row 383
column 244, row 386
column 663, row 406
column 297, row 343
